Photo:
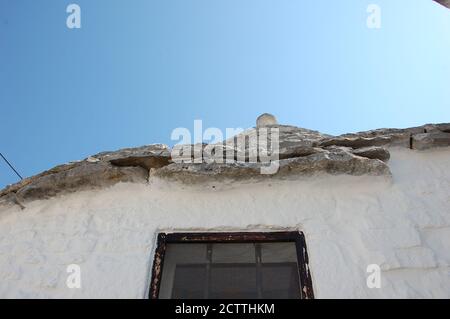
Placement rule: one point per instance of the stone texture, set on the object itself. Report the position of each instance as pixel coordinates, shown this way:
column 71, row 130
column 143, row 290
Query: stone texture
column 300, row 152
column 149, row 156
column 394, row 137
column 429, row 140
column 290, row 151
column 266, row 119
column 15, row 187
column 293, row 141
column 443, row 127
column 334, row 162
column 357, row 142
column 101, row 170
column 84, row 176
column 373, row 152
column 445, row 3
column 400, row 137
column 189, row 152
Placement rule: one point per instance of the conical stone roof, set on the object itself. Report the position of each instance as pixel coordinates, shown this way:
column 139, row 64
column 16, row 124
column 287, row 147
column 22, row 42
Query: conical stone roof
column 300, row 152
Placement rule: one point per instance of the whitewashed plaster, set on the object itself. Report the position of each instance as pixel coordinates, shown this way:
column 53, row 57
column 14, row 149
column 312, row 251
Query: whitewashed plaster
column 402, row 224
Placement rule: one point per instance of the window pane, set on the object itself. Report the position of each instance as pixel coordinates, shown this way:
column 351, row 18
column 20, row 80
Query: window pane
column 230, row 270
column 280, row 281
column 233, row 253
column 189, row 282
column 280, row 271
column 278, row 252
column 233, row 281
column 178, row 256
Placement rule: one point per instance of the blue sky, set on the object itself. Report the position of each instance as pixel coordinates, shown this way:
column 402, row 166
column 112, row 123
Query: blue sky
column 138, row 69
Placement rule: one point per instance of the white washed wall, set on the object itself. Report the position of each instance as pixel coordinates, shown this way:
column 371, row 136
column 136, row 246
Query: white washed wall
column 349, row 222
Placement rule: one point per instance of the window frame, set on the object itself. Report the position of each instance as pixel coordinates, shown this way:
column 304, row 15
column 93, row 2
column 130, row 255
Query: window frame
column 306, row 288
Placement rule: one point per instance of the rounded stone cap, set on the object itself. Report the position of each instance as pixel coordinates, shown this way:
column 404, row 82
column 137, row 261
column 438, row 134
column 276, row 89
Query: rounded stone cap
column 265, row 120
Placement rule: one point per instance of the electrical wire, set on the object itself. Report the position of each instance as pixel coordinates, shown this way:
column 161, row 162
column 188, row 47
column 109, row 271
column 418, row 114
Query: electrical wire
column 11, row 166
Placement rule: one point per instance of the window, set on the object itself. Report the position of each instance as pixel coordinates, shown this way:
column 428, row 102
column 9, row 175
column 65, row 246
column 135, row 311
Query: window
column 231, row 265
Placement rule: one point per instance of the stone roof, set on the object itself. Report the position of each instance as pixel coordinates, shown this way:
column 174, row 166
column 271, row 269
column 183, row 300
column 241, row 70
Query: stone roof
column 444, row 2
column 301, row 152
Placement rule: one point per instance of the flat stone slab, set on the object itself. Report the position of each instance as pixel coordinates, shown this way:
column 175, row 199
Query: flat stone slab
column 430, row 140
column 357, row 142
column 373, row 152
column 81, row 177
column 334, row 162
column 97, row 171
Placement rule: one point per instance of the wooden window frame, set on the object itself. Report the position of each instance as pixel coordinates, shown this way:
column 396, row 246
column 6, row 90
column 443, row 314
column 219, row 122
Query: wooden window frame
column 306, row 288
